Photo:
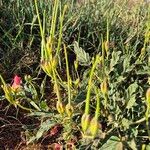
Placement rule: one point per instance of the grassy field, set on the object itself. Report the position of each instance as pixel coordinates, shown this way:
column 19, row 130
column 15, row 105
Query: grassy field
column 74, row 74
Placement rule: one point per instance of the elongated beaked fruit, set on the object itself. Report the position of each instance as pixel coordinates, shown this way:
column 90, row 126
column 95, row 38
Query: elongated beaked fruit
column 148, row 95
column 85, row 122
column 94, row 126
column 106, row 45
column 69, row 110
column 104, row 87
column 60, row 107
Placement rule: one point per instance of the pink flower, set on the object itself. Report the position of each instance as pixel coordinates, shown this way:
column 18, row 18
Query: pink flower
column 16, row 83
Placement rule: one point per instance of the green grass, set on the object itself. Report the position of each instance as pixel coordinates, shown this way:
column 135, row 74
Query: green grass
column 116, row 34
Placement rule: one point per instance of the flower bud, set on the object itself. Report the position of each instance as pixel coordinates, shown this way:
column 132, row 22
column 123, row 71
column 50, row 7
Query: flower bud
column 60, row 107
column 69, row 110
column 148, row 96
column 16, row 83
column 85, row 121
column 94, row 127
column 104, row 87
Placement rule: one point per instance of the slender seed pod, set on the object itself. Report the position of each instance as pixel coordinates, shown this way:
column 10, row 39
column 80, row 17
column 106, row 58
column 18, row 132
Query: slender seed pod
column 106, row 45
column 143, row 51
column 148, row 96
column 85, row 122
column 54, row 63
column 69, row 110
column 104, row 90
column 76, row 64
column 49, row 46
column 104, row 87
column 94, row 126
column 60, row 107
column 147, row 111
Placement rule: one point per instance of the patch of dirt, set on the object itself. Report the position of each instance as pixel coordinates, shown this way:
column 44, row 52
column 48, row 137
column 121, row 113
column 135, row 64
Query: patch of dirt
column 11, row 126
column 13, row 135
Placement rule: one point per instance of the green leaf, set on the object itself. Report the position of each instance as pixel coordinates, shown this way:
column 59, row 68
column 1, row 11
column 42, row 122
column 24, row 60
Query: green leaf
column 45, row 126
column 133, row 144
column 44, row 106
column 42, row 87
column 147, row 147
column 127, row 67
column 2, row 80
column 113, row 143
column 126, row 63
column 131, row 95
column 35, row 105
column 125, row 123
column 41, row 114
column 132, row 89
column 82, row 56
column 114, row 60
column 131, row 102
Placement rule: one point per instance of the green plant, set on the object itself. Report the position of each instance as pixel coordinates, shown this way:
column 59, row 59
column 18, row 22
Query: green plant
column 13, row 93
column 50, row 49
column 103, row 98
column 85, row 118
column 69, row 107
column 147, row 110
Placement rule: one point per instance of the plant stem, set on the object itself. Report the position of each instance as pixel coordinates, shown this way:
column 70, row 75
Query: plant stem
column 87, row 105
column 41, row 30
column 103, row 53
column 105, row 101
column 54, row 17
column 24, row 108
column 140, row 120
column 97, row 112
column 147, row 122
column 56, row 86
column 60, row 30
column 68, row 75
column 107, row 37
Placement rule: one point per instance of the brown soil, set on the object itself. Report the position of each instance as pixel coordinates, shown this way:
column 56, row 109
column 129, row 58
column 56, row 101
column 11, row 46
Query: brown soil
column 13, row 135
column 11, row 126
